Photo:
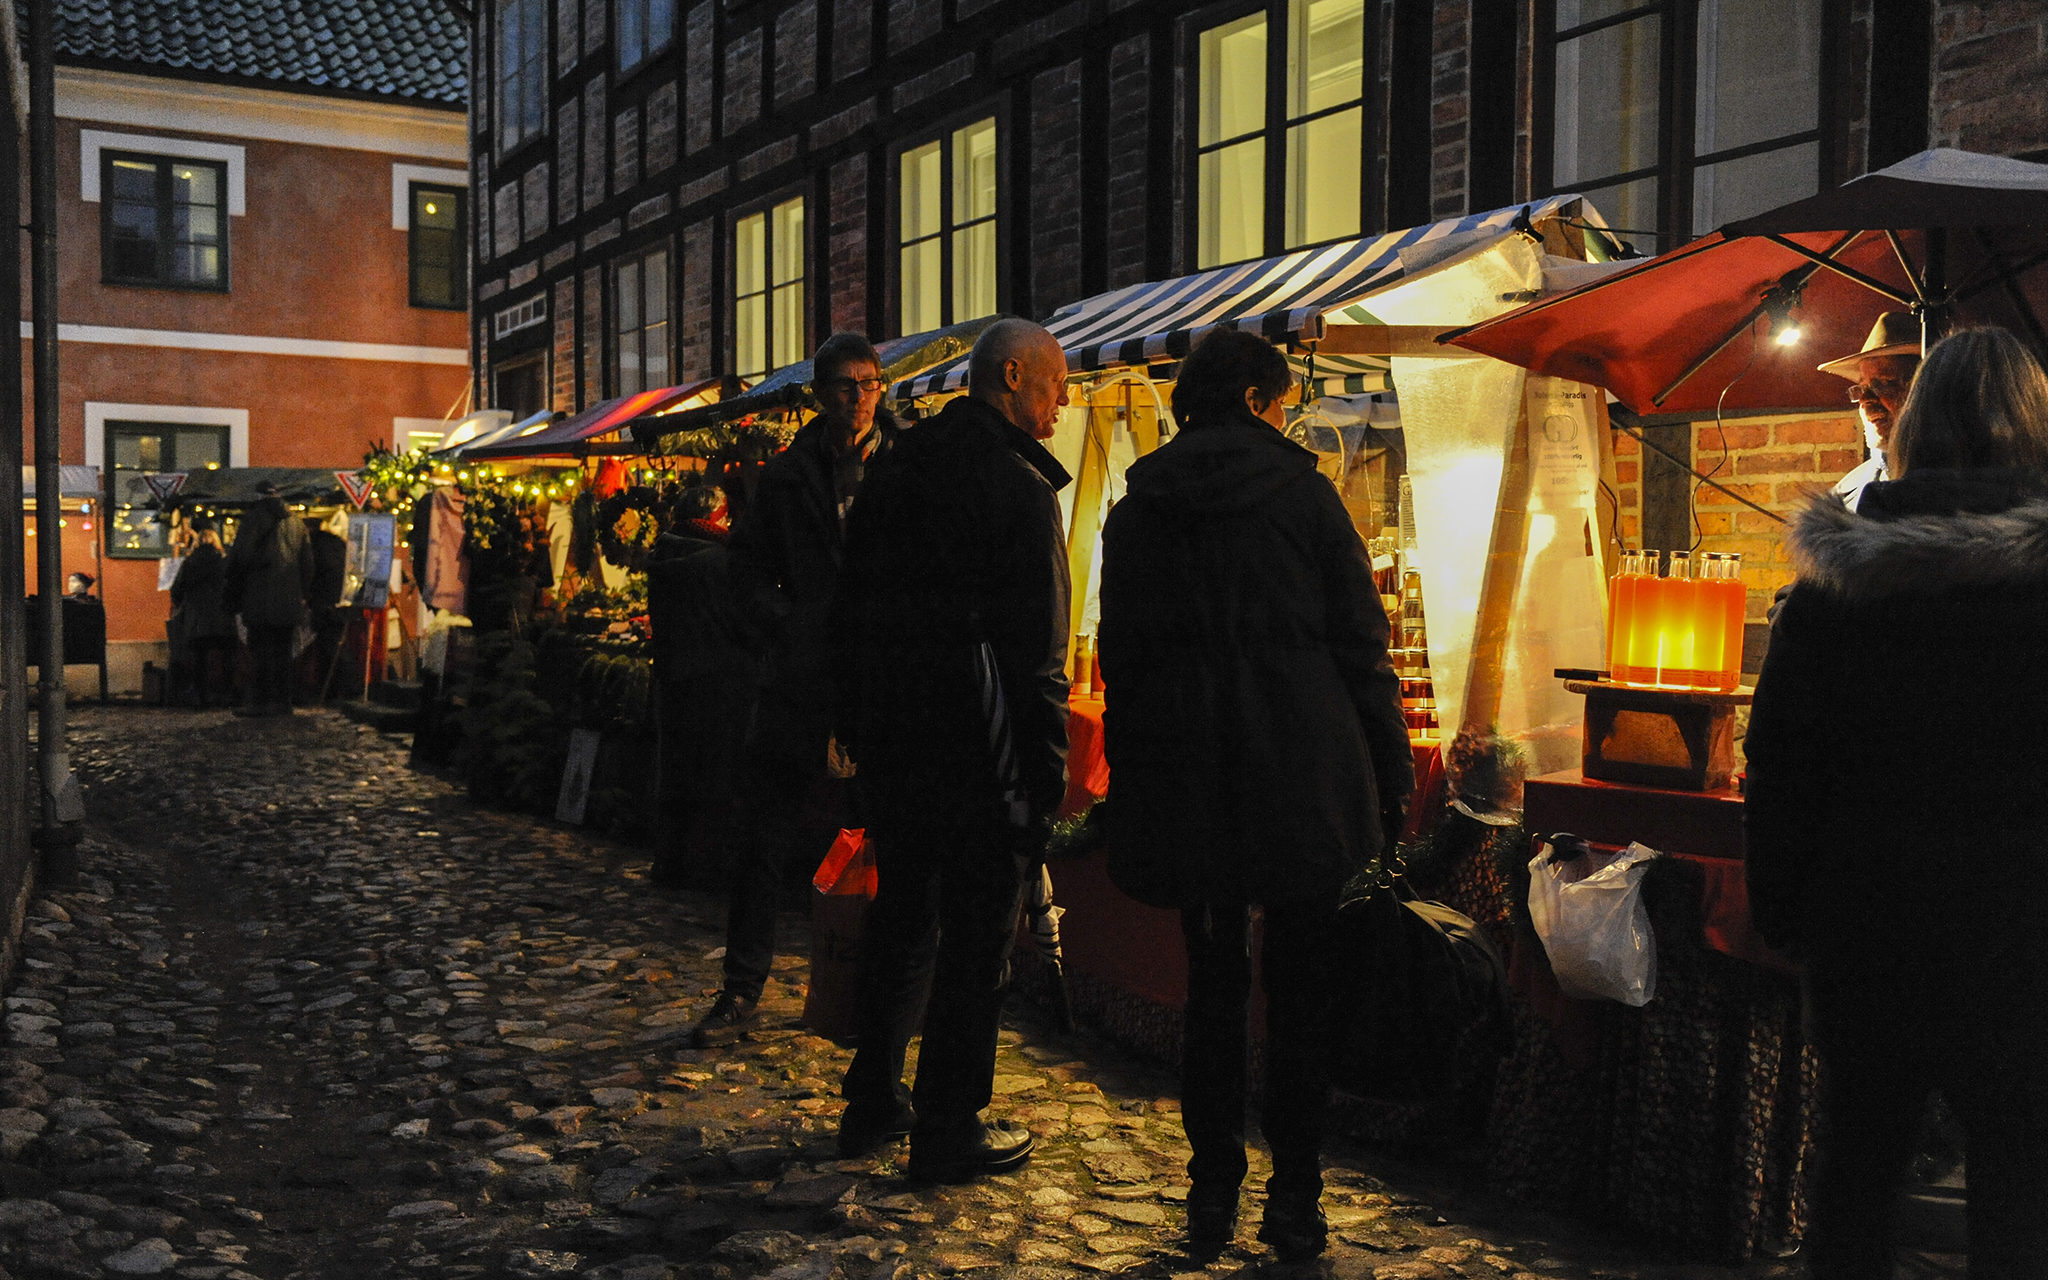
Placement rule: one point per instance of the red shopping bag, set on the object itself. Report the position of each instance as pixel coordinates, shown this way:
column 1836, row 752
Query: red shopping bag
column 845, row 881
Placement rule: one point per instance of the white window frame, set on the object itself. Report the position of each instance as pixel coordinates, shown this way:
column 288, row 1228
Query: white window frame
column 93, row 141
column 99, row 412
column 402, row 178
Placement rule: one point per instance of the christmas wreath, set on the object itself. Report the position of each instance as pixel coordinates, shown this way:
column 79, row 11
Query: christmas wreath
column 628, row 522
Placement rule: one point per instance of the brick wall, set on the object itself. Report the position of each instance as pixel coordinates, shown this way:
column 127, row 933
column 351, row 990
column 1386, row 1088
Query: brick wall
column 626, row 149
column 796, row 53
column 698, row 69
column 1055, row 190
column 1450, row 108
column 1990, row 76
column 697, row 355
column 661, row 128
column 562, row 312
column 742, row 80
column 846, row 244
column 593, row 335
column 594, row 120
column 1128, row 207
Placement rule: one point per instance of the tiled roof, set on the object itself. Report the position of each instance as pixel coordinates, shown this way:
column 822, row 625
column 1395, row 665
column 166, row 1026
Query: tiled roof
column 406, row 49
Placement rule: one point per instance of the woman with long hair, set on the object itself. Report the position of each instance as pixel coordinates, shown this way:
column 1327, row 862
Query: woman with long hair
column 1895, row 838
column 1253, row 728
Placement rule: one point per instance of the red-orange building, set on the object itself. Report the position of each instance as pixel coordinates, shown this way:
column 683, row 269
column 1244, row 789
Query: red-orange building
column 261, row 255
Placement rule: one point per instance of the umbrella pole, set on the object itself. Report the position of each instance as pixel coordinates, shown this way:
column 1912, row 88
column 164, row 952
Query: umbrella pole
column 1934, row 319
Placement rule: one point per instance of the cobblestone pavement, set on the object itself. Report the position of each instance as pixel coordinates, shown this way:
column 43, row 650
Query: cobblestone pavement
column 306, row 1012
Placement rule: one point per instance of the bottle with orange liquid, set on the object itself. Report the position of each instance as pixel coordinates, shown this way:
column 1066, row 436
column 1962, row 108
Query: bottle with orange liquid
column 1621, row 607
column 1724, row 607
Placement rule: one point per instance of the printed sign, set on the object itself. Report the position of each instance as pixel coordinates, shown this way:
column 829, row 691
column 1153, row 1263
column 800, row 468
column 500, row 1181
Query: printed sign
column 164, row 483
column 356, row 485
column 574, row 796
column 371, row 538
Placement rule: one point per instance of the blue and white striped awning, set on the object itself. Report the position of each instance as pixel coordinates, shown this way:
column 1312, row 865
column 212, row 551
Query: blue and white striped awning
column 1283, row 299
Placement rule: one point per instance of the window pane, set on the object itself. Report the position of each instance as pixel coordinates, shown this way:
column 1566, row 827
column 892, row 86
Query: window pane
column 654, row 269
column 131, row 241
column 631, row 378
column 661, row 22
column 136, row 452
column 195, row 264
column 197, row 447
column 195, row 184
column 132, row 180
column 788, row 344
column 921, row 285
column 974, row 172
column 1572, row 13
column 920, row 183
column 431, row 208
column 749, row 336
column 1325, row 54
column 626, row 297
column 974, row 271
column 1631, row 210
column 1721, row 193
column 788, row 242
column 749, row 273
column 1323, row 159
column 1233, row 83
column 631, row 36
column 195, row 225
column 1758, row 74
column 1606, row 103
column 1233, row 204
column 654, row 355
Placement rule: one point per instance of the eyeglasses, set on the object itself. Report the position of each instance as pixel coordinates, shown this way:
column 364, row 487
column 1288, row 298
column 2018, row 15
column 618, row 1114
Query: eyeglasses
column 1878, row 389
column 862, row 385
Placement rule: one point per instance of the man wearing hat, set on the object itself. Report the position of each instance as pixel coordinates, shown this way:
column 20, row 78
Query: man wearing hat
column 1879, row 376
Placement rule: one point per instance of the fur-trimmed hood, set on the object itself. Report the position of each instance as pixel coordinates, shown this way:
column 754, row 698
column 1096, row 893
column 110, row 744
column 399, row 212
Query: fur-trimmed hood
column 1932, row 534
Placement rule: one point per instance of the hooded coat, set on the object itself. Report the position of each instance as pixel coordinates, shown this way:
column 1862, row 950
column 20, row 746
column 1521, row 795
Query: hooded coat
column 1253, row 724
column 1896, row 745
column 270, row 567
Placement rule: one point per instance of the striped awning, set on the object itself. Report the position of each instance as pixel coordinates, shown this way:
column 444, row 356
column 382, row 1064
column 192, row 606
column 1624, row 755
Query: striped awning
column 1282, row 299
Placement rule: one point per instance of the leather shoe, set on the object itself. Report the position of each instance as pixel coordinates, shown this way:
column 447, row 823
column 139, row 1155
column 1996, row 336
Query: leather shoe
column 867, row 1125
column 1212, row 1220
column 722, row 1024
column 1295, row 1228
column 960, row 1154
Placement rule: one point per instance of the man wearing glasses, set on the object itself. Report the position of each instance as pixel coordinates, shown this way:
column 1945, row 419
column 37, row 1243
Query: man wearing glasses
column 1880, row 375
column 790, row 539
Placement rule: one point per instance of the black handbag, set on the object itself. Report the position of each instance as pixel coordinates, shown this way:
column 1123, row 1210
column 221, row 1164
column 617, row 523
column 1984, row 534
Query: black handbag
column 1424, row 1005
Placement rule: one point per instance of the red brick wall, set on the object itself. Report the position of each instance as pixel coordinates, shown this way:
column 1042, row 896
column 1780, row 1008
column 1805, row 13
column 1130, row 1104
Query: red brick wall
column 1990, row 76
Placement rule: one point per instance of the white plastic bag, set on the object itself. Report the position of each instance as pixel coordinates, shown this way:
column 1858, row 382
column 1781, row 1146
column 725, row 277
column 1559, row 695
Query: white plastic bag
column 1589, row 912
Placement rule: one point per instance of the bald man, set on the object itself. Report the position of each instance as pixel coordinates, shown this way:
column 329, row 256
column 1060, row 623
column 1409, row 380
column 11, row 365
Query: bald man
column 953, row 610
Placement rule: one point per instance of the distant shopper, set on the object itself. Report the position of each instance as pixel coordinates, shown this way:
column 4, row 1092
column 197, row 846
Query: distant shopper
column 201, row 620
column 954, row 613
column 791, row 538
column 269, row 572
column 323, row 599
column 1257, row 753
column 1893, row 823
column 79, row 586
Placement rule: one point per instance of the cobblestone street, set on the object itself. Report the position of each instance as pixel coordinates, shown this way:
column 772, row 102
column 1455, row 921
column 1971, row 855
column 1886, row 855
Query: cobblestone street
column 307, row 1012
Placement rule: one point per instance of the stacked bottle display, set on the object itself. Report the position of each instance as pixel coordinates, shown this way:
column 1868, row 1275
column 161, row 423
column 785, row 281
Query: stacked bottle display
column 1401, row 592
column 1679, row 630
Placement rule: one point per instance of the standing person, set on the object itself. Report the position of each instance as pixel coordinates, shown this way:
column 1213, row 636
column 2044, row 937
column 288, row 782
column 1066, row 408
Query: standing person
column 323, row 598
column 1254, row 734
column 1879, row 376
column 269, row 572
column 1891, row 816
column 956, row 590
column 791, row 539
column 202, row 618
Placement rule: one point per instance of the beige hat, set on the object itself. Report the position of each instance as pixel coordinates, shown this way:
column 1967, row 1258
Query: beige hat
column 1896, row 333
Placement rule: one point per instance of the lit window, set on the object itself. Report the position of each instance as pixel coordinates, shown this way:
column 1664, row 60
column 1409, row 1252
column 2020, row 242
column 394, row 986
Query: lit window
column 1754, row 99
column 522, row 71
column 768, row 290
column 163, row 221
column 138, row 449
column 1315, row 133
column 439, row 264
column 640, row 322
column 644, row 27
column 946, row 263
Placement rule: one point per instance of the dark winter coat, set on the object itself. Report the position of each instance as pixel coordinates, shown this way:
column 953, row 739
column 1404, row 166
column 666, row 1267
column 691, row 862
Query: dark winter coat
column 706, row 649
column 196, row 605
column 330, row 573
column 1253, row 724
column 1896, row 747
column 789, row 538
column 270, row 567
column 955, row 542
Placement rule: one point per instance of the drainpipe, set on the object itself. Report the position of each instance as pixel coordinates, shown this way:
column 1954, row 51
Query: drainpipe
column 62, row 808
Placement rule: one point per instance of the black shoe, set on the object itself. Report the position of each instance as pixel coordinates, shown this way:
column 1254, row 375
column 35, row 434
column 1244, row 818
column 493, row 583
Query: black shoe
column 953, row 1153
column 867, row 1125
column 728, row 1017
column 1295, row 1227
column 1212, row 1220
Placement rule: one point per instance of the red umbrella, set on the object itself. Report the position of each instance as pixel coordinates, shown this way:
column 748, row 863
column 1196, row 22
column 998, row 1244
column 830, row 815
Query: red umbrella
column 1958, row 236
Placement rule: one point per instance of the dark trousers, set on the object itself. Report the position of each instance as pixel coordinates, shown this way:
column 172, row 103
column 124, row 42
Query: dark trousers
column 329, row 625
column 210, row 669
column 1295, row 965
column 780, row 827
column 1888, row 1038
column 270, row 666
column 945, row 913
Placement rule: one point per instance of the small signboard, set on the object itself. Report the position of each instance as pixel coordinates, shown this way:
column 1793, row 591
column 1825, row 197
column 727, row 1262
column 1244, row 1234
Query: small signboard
column 164, row 484
column 356, row 485
column 575, row 794
column 371, row 539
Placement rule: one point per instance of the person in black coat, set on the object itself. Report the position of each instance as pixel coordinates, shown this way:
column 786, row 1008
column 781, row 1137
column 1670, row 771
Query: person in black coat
column 954, row 609
column 323, row 598
column 269, row 572
column 790, row 540
column 201, row 619
column 1892, row 817
column 1257, row 756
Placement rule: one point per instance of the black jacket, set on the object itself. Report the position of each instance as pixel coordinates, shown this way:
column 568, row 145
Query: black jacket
column 1896, row 749
column 196, row 595
column 955, row 542
column 789, row 547
column 1253, row 725
column 330, row 573
column 269, row 567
